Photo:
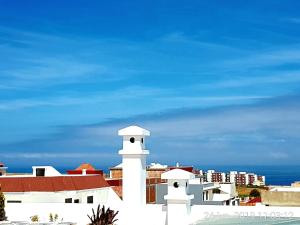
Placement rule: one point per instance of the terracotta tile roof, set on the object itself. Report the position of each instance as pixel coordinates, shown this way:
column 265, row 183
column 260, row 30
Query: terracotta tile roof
column 118, row 190
column 254, row 200
column 52, row 184
column 86, row 166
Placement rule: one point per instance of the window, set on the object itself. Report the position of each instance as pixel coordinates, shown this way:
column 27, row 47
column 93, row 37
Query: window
column 90, row 199
column 76, row 200
column 132, row 140
column 176, row 185
column 142, row 140
column 14, row 201
column 68, row 200
column 40, row 172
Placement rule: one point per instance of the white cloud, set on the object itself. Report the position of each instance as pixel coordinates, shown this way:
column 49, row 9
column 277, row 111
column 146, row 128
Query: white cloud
column 292, row 20
column 279, row 155
column 128, row 93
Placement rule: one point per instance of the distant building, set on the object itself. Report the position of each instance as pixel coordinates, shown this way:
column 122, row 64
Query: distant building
column 296, row 184
column 116, row 172
column 154, row 170
column 239, row 178
column 2, row 169
column 84, row 169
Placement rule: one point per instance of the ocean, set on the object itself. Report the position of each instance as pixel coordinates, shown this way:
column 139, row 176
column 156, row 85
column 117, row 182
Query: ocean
column 275, row 175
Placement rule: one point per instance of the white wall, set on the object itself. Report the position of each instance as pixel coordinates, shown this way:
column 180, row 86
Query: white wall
column 99, row 195
column 153, row 215
column 228, row 188
column 69, row 212
column 201, row 212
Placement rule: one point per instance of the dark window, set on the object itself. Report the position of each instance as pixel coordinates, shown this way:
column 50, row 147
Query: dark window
column 14, row 201
column 40, row 172
column 68, row 200
column 132, row 140
column 176, row 185
column 76, row 201
column 142, row 140
column 90, row 199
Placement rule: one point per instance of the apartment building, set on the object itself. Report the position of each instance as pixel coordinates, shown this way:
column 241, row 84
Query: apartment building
column 239, row 178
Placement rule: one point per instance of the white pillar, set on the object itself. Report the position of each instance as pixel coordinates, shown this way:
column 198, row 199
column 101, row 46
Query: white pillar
column 134, row 173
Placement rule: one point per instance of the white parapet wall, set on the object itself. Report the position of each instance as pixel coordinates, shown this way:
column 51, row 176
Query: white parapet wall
column 204, row 212
column 154, row 214
column 76, row 213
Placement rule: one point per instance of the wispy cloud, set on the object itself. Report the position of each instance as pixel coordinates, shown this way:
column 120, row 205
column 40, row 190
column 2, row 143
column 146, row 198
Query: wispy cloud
column 128, row 94
column 292, row 20
column 123, row 94
column 275, row 78
column 197, row 135
column 279, row 155
column 41, row 61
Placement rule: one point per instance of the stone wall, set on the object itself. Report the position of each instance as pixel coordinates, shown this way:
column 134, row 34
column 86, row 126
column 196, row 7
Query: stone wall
column 280, row 198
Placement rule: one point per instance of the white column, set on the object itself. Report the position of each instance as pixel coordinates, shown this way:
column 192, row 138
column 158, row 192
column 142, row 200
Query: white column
column 178, row 197
column 134, row 174
column 134, row 180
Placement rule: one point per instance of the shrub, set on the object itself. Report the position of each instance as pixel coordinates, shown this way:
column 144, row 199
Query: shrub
column 102, row 216
column 53, row 218
column 254, row 193
column 34, row 218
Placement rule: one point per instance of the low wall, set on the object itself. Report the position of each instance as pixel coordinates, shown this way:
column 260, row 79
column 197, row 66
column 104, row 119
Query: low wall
column 281, row 198
column 66, row 212
column 201, row 212
column 153, row 215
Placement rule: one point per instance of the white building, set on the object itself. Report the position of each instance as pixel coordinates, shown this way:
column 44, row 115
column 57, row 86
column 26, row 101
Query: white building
column 239, row 178
column 47, row 185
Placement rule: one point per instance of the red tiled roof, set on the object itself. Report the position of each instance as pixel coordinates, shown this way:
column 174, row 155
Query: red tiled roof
column 51, row 184
column 85, row 166
column 254, row 200
column 118, row 190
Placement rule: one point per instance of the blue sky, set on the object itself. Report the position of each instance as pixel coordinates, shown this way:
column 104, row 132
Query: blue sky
column 217, row 82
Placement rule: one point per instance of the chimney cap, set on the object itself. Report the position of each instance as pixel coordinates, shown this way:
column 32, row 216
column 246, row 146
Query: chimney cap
column 177, row 174
column 134, row 131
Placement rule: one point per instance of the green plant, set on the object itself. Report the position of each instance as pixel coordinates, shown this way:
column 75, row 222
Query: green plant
column 53, row 218
column 2, row 206
column 254, row 193
column 103, row 217
column 34, row 218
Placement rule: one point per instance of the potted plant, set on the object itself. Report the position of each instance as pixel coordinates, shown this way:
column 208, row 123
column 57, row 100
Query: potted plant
column 103, row 217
